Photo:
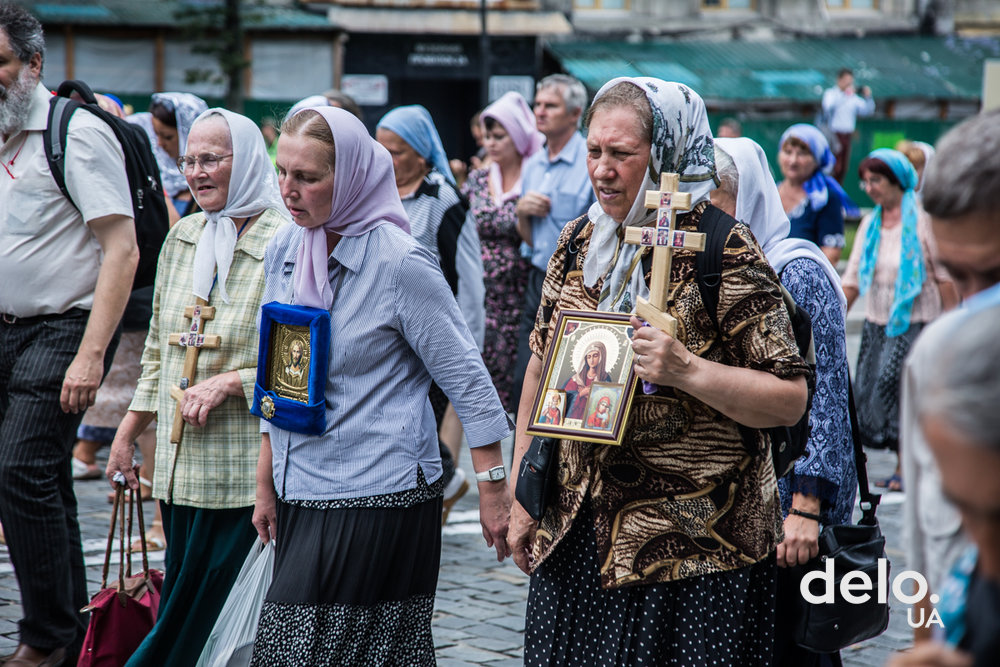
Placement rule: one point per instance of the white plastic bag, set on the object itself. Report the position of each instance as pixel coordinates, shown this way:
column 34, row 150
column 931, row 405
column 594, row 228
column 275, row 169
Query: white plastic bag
column 231, row 641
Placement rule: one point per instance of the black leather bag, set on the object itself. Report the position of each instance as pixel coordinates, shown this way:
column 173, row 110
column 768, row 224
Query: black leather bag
column 829, row 627
column 535, row 479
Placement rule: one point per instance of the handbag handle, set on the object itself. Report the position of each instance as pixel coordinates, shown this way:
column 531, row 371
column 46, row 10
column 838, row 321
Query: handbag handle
column 124, row 565
column 868, row 501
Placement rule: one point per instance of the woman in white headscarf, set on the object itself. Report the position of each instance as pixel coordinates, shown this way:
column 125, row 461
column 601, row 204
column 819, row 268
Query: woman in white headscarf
column 823, row 483
column 661, row 550
column 170, row 118
column 206, row 483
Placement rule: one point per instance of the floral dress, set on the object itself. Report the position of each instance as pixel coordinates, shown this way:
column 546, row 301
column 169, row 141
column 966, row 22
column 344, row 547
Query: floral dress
column 505, row 275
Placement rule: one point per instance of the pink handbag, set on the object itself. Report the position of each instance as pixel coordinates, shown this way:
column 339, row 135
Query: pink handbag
column 121, row 616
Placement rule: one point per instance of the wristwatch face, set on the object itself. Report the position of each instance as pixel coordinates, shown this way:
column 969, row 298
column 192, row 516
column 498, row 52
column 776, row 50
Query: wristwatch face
column 496, row 474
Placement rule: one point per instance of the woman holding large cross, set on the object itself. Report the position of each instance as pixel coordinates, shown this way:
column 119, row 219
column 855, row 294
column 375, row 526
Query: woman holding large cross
column 661, row 550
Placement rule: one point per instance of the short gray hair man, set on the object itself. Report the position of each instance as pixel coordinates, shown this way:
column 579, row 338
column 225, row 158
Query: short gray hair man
column 570, row 88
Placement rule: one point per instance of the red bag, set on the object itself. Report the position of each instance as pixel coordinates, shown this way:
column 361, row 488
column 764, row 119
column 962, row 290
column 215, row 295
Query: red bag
column 122, row 616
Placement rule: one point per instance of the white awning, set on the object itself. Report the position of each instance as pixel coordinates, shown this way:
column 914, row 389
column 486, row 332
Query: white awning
column 448, row 21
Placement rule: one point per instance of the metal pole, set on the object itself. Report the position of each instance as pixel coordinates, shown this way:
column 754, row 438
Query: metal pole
column 484, row 58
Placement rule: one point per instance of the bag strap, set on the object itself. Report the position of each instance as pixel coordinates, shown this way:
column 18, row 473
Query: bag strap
column 111, row 537
column 70, row 86
column 572, row 250
column 124, row 554
column 716, row 226
column 61, row 109
column 142, row 536
column 869, row 501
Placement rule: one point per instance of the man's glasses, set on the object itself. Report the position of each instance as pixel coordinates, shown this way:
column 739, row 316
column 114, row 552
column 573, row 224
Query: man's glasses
column 208, row 162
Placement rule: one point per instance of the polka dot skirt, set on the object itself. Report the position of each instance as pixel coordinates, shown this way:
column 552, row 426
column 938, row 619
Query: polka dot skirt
column 321, row 635
column 718, row 619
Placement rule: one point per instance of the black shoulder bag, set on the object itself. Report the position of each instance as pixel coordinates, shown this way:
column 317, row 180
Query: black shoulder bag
column 536, row 476
column 829, row 627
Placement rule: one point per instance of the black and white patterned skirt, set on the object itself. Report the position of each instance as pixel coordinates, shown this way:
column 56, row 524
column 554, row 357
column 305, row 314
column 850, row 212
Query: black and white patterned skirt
column 724, row 619
column 876, row 387
column 352, row 585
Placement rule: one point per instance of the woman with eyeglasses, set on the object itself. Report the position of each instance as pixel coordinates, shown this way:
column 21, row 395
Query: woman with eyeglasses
column 893, row 263
column 205, row 482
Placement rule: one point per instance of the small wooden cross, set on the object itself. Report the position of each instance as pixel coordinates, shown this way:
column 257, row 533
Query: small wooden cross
column 193, row 339
column 664, row 239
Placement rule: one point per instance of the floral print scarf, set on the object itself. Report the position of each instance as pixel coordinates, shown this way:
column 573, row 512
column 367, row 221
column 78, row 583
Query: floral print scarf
column 682, row 143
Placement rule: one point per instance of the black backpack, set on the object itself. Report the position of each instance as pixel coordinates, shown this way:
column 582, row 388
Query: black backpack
column 150, row 210
column 788, row 443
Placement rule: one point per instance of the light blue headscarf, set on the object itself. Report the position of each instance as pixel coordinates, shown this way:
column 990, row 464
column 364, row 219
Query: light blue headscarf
column 910, row 279
column 413, row 124
column 818, row 186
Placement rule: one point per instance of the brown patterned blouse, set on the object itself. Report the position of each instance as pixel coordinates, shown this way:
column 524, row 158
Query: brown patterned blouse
column 680, row 497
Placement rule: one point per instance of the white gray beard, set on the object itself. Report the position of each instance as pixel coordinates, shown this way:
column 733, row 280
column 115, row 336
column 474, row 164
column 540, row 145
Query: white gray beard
column 15, row 102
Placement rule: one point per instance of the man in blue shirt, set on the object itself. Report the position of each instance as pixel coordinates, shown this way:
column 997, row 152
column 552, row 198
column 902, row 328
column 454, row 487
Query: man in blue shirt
column 556, row 190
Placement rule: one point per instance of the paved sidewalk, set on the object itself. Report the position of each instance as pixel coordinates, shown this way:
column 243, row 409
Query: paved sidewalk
column 479, row 615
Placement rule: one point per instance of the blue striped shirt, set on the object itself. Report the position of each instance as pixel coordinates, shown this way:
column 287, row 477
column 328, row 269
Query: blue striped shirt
column 394, row 325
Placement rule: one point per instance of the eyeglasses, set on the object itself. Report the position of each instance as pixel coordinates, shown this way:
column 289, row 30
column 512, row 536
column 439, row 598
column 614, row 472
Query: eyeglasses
column 864, row 184
column 208, row 162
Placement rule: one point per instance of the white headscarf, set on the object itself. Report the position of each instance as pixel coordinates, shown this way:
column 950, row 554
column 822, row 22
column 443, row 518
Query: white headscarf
column 928, row 152
column 311, row 102
column 186, row 108
column 682, row 144
column 173, row 181
column 253, row 187
column 758, row 205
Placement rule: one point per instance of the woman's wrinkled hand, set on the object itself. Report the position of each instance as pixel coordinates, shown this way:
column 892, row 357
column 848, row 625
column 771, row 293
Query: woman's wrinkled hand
column 659, row 357
column 265, row 516
column 120, row 461
column 801, row 543
column 202, row 398
column 494, row 515
column 521, row 537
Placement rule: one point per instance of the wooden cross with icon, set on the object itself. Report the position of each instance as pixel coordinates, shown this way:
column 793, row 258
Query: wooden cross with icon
column 664, row 239
column 193, row 340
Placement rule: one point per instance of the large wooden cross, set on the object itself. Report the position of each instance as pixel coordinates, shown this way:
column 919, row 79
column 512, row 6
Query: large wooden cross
column 193, row 339
column 664, row 239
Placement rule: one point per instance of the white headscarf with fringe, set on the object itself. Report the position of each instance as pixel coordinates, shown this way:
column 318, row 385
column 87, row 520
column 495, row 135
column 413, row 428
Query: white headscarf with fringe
column 682, row 144
column 253, row 188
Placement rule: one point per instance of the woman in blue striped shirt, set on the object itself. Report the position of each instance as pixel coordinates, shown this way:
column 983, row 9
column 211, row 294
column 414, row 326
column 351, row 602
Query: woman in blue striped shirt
column 357, row 510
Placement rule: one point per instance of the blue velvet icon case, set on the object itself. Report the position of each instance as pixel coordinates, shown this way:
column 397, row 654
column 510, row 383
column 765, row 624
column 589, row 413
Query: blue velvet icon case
column 292, row 365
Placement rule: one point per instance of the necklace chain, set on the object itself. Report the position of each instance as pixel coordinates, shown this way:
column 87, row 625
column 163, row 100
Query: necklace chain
column 8, row 165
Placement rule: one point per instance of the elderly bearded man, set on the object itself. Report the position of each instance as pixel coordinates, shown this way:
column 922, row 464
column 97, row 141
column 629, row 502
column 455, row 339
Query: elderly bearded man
column 65, row 275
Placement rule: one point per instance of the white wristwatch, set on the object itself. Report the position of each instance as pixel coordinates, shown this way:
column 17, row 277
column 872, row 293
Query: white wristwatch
column 494, row 474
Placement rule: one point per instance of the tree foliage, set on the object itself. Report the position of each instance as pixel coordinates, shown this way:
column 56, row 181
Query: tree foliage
column 216, row 28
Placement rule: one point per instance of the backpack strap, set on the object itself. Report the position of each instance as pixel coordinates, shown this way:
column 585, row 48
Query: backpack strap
column 716, row 225
column 572, row 250
column 61, row 109
column 54, row 139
